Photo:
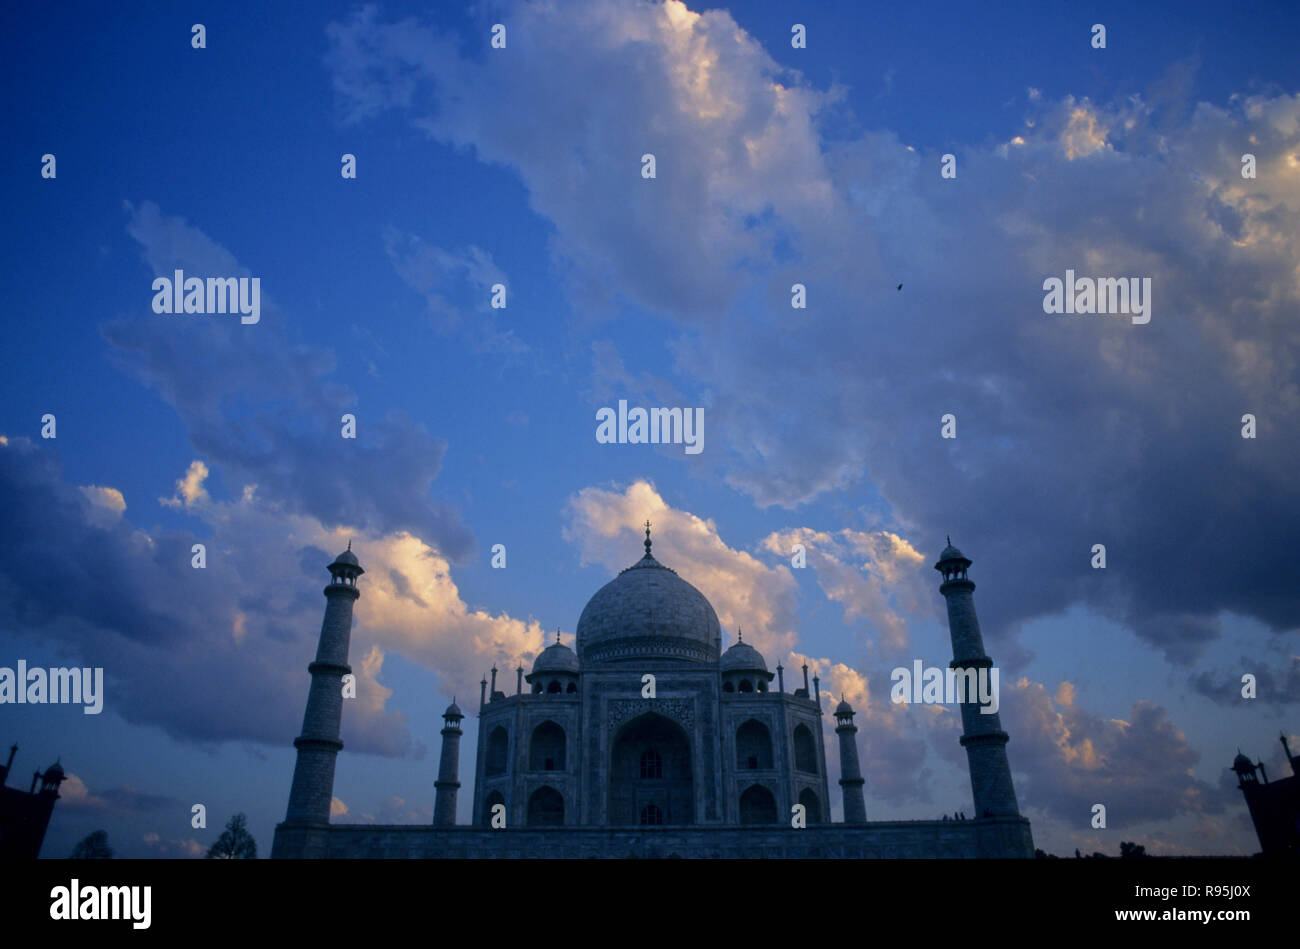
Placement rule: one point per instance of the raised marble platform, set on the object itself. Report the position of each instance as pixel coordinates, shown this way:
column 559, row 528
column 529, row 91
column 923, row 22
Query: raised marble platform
column 994, row 837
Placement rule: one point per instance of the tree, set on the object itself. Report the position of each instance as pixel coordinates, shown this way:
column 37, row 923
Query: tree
column 93, row 846
column 1129, row 849
column 235, row 842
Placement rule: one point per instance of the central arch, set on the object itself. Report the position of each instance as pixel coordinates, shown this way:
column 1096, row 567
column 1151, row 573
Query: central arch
column 650, row 767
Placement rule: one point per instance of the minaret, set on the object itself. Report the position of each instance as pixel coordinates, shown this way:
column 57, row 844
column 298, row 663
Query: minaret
column 983, row 738
column 318, row 745
column 444, row 805
column 855, row 811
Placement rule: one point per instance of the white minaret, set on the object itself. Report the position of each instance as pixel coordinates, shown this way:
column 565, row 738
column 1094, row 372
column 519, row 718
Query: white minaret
column 318, row 745
column 983, row 738
column 448, row 783
column 851, row 781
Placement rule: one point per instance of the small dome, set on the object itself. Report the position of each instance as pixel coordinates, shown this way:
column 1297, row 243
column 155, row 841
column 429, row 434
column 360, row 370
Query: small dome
column 557, row 657
column 1241, row 763
column 54, row 771
column 742, row 657
column 951, row 553
column 453, row 711
column 844, row 708
column 347, row 559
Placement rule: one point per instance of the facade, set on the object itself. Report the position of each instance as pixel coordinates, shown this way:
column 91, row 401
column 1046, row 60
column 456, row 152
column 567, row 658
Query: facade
column 24, row 815
column 1274, row 805
column 647, row 739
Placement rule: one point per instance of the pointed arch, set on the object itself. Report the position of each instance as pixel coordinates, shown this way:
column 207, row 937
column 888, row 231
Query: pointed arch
column 546, row 807
column 753, row 746
column 498, row 752
column 546, row 747
column 805, row 751
column 757, row 805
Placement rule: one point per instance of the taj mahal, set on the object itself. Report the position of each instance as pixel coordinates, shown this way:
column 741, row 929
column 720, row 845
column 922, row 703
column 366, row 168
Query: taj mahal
column 647, row 739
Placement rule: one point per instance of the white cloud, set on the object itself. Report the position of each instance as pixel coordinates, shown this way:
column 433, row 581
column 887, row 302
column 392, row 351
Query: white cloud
column 874, row 575
column 189, row 488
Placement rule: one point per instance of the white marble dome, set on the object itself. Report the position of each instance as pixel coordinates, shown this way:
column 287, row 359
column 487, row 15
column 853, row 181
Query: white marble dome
column 647, row 611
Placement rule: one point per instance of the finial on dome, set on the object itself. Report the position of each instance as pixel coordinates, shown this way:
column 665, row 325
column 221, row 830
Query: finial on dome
column 557, row 635
column 740, row 636
column 948, row 537
column 647, row 538
column 349, row 543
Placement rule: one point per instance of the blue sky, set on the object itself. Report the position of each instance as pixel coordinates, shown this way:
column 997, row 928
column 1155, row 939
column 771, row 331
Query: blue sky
column 476, row 426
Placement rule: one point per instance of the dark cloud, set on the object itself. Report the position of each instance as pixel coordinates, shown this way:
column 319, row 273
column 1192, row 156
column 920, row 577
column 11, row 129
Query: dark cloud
column 1069, row 759
column 119, row 801
column 1277, row 684
column 177, row 651
column 263, row 410
column 1072, row 431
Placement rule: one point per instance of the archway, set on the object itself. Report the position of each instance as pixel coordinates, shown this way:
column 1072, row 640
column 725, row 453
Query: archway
column 811, row 805
column 757, row 806
column 753, row 746
column 650, row 766
column 546, row 749
column 545, row 808
column 497, row 750
column 493, row 798
column 805, row 752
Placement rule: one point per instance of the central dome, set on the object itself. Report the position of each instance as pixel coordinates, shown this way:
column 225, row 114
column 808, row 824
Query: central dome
column 648, row 612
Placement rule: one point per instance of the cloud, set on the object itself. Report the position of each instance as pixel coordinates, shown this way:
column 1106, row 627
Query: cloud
column 1071, row 759
column 457, row 289
column 106, row 504
column 395, row 810
column 876, row 576
column 120, row 801
column 161, row 847
column 189, row 489
column 110, row 499
column 1277, row 684
column 894, row 741
column 1071, row 431
column 263, row 410
column 727, row 124
column 129, row 600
